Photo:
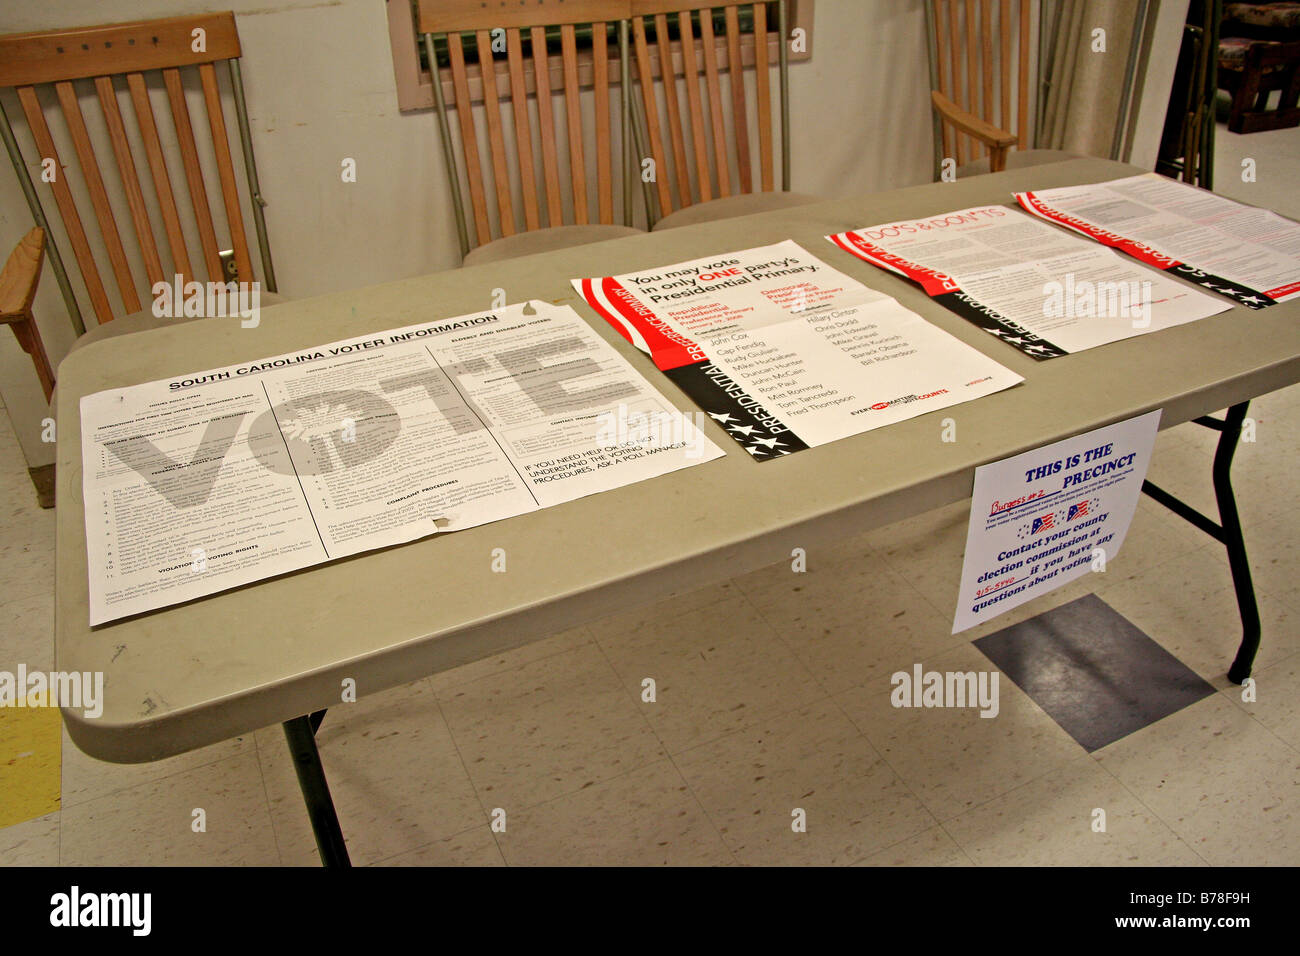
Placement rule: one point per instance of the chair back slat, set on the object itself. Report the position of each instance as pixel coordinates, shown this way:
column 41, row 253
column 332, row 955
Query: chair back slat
column 469, row 137
column 523, row 130
column 546, row 126
column 193, row 174
column 496, row 137
column 1022, row 127
column 672, row 107
column 661, row 179
column 691, row 71
column 986, row 41
column 600, row 85
column 139, row 60
column 739, row 109
column 162, row 183
column 67, row 205
column 130, row 178
column 971, row 101
column 225, row 168
column 1004, row 28
column 98, row 195
column 573, row 114
column 764, row 98
column 714, row 86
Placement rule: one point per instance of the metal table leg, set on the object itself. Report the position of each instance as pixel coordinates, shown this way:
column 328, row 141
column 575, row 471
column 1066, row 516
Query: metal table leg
column 301, row 736
column 1227, row 530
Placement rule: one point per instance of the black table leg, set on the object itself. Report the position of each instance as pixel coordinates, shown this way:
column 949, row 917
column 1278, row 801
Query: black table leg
column 1227, row 530
column 1236, row 544
column 301, row 735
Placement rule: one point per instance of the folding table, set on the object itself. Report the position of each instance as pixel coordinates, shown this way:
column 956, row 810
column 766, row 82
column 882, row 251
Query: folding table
column 279, row 650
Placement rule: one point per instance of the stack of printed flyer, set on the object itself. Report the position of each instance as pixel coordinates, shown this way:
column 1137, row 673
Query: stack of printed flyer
column 217, row 478
column 785, row 352
column 1037, row 283
column 210, row 480
column 1251, row 256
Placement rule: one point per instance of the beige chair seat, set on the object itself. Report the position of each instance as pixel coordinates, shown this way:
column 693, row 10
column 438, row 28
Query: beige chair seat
column 544, row 240
column 729, row 207
column 1017, row 159
column 144, row 320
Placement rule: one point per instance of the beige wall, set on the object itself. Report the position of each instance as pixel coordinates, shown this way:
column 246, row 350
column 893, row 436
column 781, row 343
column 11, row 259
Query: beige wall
column 319, row 79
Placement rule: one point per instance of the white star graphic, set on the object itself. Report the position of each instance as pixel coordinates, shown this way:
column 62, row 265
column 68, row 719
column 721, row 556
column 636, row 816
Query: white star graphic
column 754, row 450
column 721, row 418
column 746, row 430
column 1251, row 300
column 769, row 442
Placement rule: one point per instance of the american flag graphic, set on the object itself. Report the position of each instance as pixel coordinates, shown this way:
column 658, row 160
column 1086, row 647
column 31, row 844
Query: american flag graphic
column 1077, row 511
column 1045, row 523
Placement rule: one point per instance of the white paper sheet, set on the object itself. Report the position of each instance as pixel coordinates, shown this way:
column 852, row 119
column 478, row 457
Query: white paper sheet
column 1041, row 289
column 207, row 481
column 1041, row 519
column 786, row 352
column 1251, row 256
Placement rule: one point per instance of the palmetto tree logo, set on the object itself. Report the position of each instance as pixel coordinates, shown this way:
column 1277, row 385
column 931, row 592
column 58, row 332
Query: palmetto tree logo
column 325, row 432
column 322, row 419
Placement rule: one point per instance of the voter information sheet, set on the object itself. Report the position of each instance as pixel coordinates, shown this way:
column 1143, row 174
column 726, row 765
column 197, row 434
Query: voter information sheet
column 785, row 352
column 1043, row 518
column 207, row 481
column 1251, row 256
column 1041, row 289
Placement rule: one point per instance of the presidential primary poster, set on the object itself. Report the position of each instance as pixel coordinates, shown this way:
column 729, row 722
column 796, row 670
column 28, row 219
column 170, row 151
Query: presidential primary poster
column 785, row 352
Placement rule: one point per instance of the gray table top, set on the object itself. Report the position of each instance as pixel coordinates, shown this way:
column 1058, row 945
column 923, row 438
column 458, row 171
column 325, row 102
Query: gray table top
column 194, row 674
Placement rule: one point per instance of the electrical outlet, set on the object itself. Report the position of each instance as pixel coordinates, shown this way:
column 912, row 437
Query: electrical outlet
column 230, row 271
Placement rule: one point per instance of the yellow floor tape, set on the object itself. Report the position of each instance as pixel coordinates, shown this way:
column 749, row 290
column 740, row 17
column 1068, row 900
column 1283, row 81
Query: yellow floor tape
column 31, row 752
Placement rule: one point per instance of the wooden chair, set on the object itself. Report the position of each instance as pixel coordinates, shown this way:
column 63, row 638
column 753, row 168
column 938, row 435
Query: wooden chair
column 691, row 190
column 1259, row 52
column 979, row 85
column 499, row 231
column 1251, row 74
column 64, row 66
